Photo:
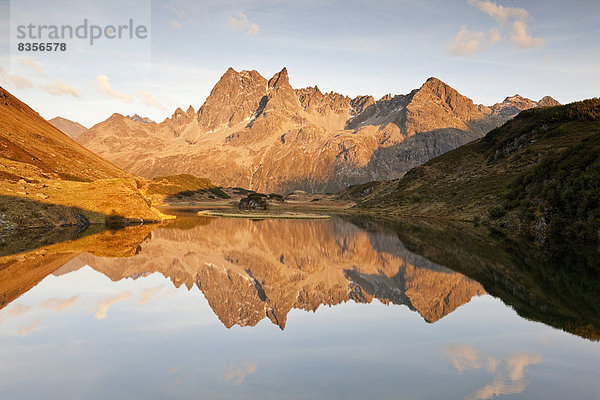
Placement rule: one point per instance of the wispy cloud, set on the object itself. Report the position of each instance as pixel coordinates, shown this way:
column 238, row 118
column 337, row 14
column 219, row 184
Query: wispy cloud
column 16, row 310
column 59, row 88
column 176, row 9
column 242, row 24
column 175, row 25
column 27, row 329
column 17, row 80
column 147, row 294
column 107, row 89
column 57, row 304
column 515, row 19
column 238, row 373
column 31, row 64
column 150, row 100
column 104, row 304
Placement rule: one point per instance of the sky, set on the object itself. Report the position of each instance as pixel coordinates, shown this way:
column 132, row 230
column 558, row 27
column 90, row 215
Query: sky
column 486, row 49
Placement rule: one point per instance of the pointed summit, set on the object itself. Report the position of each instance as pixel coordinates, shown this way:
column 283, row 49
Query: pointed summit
column 190, row 111
column 548, row 101
column 280, row 79
column 437, row 86
column 234, row 99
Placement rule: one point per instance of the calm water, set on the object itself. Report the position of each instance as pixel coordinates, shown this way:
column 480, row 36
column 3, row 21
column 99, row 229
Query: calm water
column 275, row 309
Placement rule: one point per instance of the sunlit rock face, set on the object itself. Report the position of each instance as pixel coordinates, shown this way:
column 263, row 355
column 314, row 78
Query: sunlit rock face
column 251, row 270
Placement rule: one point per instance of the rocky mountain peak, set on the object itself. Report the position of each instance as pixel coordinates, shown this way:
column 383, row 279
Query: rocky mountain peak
column 548, row 101
column 234, row 99
column 190, row 111
column 144, row 120
column 514, row 104
column 280, row 79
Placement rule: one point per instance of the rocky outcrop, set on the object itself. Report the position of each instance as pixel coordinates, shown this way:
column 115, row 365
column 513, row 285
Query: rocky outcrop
column 264, row 135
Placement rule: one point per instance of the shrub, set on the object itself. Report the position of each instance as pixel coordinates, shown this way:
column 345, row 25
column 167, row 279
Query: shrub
column 496, row 212
column 115, row 222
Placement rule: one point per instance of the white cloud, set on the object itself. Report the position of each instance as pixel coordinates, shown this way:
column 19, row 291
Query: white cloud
column 498, row 12
column 516, row 364
column 508, row 380
column 238, row 373
column 103, row 305
column 522, row 39
column 176, row 25
column 494, row 36
column 107, row 89
column 31, row 64
column 17, row 80
column 59, row 88
column 242, row 24
column 469, row 43
column 465, row 357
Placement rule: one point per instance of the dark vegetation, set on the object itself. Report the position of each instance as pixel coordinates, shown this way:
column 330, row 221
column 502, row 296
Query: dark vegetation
column 183, row 186
column 254, row 201
column 561, row 193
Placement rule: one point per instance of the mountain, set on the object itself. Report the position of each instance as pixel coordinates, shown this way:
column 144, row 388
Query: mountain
column 48, row 179
column 538, row 174
column 69, row 128
column 267, row 136
column 515, row 104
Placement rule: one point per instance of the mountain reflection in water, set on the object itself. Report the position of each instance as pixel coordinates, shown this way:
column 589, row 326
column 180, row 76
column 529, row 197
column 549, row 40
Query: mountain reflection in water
column 249, row 270
column 131, row 314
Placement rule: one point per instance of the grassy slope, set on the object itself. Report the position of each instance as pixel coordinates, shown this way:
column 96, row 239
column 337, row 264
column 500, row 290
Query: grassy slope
column 47, row 179
column 538, row 173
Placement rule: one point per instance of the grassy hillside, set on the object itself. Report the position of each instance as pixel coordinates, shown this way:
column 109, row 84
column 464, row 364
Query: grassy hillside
column 538, row 174
column 47, row 179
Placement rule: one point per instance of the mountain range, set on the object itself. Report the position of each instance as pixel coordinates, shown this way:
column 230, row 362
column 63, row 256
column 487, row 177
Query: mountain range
column 267, row 136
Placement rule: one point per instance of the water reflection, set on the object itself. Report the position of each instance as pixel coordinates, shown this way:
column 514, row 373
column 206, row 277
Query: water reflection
column 196, row 309
column 249, row 270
